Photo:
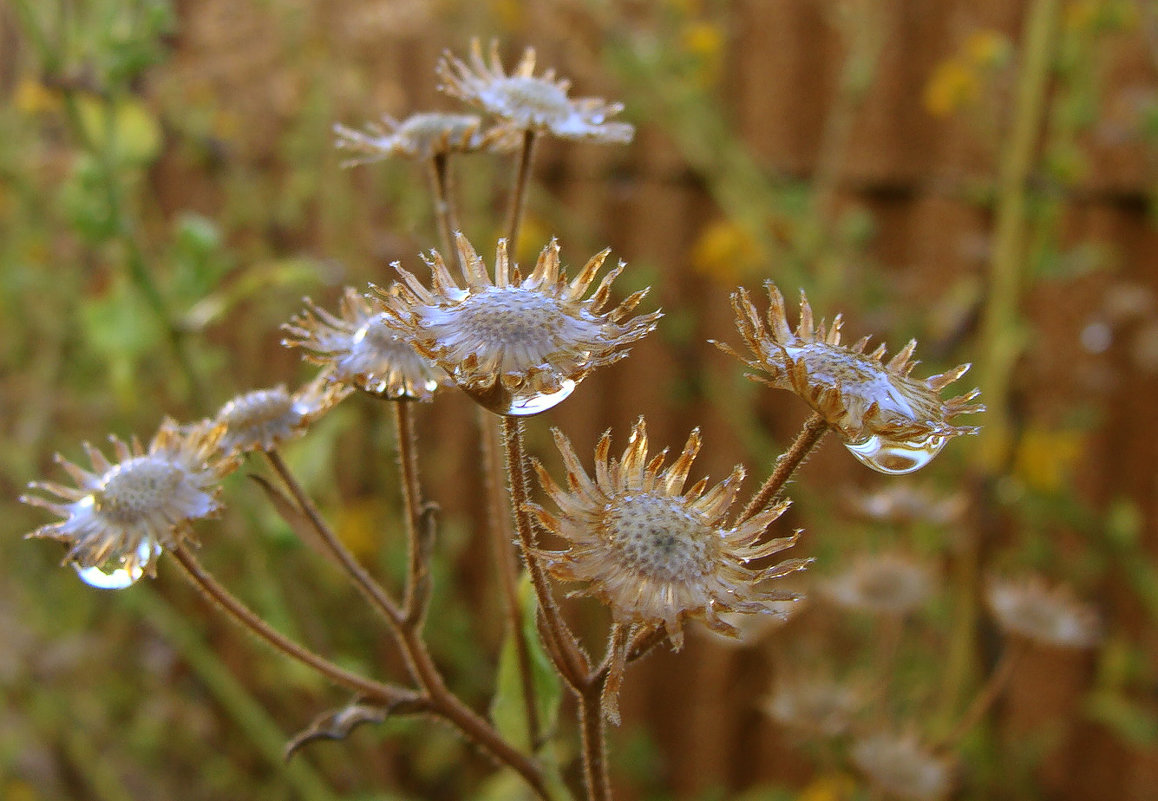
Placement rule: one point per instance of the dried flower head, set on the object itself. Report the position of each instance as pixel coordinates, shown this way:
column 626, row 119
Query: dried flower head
column 653, row 553
column 424, row 136
column 813, row 703
column 1027, row 607
column 359, row 348
column 904, row 504
column 517, row 346
column 900, row 767
column 264, row 418
column 120, row 516
column 881, row 583
column 530, row 102
column 892, row 422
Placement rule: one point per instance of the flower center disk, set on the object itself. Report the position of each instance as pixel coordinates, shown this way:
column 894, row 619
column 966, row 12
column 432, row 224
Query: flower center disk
column 137, row 488
column 660, row 539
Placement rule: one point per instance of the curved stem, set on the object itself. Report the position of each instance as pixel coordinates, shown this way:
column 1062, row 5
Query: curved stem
column 985, row 698
column 519, row 195
column 572, row 665
column 365, row 583
column 808, row 438
column 248, row 619
column 507, row 565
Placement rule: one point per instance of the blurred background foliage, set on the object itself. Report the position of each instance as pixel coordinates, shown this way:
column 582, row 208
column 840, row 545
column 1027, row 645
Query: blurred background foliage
column 169, row 192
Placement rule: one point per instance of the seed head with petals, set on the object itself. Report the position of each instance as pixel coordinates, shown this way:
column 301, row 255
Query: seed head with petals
column 263, row 418
column 121, row 515
column 891, row 421
column 518, row 346
column 652, row 552
column 358, row 348
column 1029, row 608
column 530, row 102
column 424, row 136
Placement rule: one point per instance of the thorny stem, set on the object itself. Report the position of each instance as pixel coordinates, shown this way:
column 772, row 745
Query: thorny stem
column 419, row 662
column 519, row 195
column 507, row 565
column 808, row 438
column 245, row 617
column 566, row 651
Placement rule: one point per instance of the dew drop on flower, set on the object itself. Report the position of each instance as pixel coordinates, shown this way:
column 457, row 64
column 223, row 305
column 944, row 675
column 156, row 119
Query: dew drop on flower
column 520, row 401
column 122, row 572
column 896, row 457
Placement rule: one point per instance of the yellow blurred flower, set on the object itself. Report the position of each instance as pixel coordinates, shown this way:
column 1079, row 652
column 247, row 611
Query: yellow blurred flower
column 32, row 97
column 704, row 41
column 1046, row 458
column 360, row 526
column 727, row 251
column 986, row 48
column 829, row 787
column 953, row 85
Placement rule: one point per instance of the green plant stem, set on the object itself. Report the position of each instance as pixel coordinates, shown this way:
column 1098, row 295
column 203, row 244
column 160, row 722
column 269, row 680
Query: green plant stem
column 564, row 647
column 809, row 437
column 247, row 619
column 519, row 194
column 986, row 696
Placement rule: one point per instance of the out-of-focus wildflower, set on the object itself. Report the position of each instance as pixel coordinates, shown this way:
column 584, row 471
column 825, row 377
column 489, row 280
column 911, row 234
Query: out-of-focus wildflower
column 890, row 421
column 1028, row 608
column 882, row 583
column 424, row 136
column 357, row 347
column 900, row 767
column 904, row 504
column 1046, row 458
column 518, row 346
column 813, row 703
column 727, row 251
column 652, row 552
column 264, row 418
column 954, row 84
column 530, row 102
column 121, row 516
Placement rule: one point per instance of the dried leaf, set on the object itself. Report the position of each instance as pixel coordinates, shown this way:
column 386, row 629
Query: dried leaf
column 337, row 724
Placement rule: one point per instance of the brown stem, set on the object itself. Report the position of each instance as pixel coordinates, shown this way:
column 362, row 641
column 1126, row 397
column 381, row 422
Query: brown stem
column 573, row 666
column 808, row 438
column 418, row 573
column 444, row 212
column 365, row 583
column 418, row 660
column 592, row 726
column 506, row 562
column 245, row 617
column 519, row 195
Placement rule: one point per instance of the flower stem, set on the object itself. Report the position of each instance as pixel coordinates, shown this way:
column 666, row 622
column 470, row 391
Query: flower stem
column 519, row 195
column 244, row 616
column 444, row 212
column 566, row 654
column 809, row 437
column 417, row 531
column 365, row 583
column 507, row 565
column 593, row 729
column 986, row 696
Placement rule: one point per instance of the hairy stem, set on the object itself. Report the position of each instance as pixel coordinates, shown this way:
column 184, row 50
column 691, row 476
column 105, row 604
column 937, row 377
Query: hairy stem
column 787, row 464
column 519, row 195
column 571, row 666
column 507, row 565
column 245, row 617
column 418, row 572
column 593, row 729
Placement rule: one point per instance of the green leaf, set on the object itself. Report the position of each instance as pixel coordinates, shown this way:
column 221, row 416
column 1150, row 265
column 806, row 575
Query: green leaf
column 508, row 708
column 125, row 128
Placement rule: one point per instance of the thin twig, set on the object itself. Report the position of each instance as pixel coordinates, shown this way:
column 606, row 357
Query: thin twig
column 418, row 572
column 519, row 195
column 986, row 696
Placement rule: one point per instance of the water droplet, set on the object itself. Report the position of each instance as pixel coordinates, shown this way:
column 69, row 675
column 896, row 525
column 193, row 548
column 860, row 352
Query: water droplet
column 896, row 457
column 117, row 574
column 521, row 401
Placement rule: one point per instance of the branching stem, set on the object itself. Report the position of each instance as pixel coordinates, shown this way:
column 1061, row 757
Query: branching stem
column 787, row 464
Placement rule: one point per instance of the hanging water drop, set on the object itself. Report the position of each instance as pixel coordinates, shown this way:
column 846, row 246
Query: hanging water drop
column 521, row 401
column 122, row 572
column 896, row 457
